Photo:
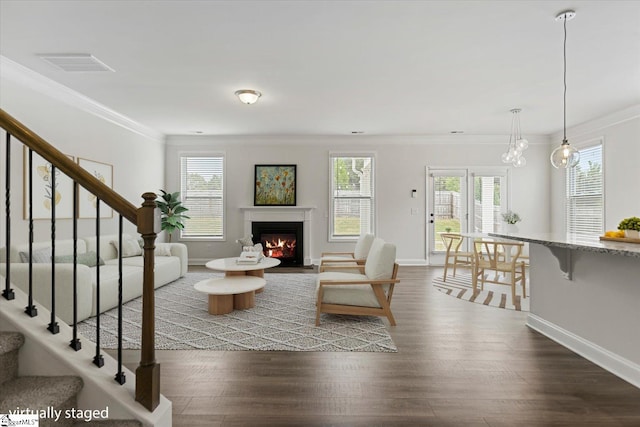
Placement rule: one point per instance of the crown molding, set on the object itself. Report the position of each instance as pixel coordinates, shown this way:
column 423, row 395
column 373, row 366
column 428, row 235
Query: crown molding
column 24, row 76
column 351, row 141
column 596, row 125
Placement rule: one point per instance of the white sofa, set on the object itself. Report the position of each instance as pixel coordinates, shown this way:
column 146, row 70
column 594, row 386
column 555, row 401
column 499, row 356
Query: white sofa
column 171, row 262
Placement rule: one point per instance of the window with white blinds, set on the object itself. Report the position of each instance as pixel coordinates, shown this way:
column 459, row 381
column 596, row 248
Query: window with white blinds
column 202, row 191
column 352, row 196
column 585, row 194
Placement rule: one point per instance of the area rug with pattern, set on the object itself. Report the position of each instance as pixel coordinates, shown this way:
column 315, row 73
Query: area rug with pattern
column 493, row 295
column 282, row 319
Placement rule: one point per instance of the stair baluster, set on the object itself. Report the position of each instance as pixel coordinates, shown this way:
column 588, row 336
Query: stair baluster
column 98, row 360
column 75, row 341
column 7, row 292
column 30, row 309
column 53, row 327
column 120, row 377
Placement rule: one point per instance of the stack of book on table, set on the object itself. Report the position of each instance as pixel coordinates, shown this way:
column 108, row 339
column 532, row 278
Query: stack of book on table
column 249, row 257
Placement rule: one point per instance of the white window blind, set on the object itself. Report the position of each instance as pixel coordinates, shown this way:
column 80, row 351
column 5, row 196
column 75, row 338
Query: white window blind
column 585, row 195
column 352, row 196
column 202, row 192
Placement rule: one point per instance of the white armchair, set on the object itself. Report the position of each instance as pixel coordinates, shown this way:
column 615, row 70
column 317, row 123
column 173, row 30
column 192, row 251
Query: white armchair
column 352, row 259
column 366, row 293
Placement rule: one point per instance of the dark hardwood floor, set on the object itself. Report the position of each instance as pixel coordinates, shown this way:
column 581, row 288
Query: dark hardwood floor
column 458, row 364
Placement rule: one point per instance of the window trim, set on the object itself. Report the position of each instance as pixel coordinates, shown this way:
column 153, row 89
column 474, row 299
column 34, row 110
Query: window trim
column 374, row 209
column 221, row 154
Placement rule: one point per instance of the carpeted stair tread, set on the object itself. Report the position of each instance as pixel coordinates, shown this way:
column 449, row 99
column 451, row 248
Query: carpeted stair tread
column 38, row 392
column 10, row 343
column 109, row 423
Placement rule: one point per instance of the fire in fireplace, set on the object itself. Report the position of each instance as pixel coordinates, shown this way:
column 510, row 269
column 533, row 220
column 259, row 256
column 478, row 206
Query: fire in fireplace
column 279, row 245
column 282, row 240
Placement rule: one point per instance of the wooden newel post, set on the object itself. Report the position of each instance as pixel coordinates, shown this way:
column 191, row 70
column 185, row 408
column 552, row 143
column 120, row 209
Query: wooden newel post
column 148, row 372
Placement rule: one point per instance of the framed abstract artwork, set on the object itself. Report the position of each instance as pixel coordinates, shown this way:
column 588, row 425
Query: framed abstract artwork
column 275, row 185
column 46, row 191
column 87, row 201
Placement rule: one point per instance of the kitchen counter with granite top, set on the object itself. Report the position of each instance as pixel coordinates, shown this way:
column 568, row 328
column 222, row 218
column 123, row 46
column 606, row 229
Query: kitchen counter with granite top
column 579, row 243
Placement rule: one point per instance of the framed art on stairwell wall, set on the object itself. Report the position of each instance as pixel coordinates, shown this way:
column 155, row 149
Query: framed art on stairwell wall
column 87, row 201
column 46, row 191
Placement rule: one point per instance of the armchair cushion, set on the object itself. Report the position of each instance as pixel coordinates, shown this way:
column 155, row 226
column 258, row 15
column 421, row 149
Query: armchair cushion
column 361, row 295
column 381, row 260
column 363, row 246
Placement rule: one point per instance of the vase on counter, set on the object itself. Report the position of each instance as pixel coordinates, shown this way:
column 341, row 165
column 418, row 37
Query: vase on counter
column 511, row 228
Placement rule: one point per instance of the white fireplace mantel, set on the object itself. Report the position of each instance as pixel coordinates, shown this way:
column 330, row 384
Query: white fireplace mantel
column 282, row 214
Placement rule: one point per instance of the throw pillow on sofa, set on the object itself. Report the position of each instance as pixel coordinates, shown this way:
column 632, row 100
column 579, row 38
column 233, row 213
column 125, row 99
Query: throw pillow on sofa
column 37, row 256
column 130, row 247
column 88, row 259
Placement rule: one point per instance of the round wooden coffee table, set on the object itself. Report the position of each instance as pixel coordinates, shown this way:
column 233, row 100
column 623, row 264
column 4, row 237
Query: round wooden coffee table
column 231, row 267
column 230, row 292
column 237, row 289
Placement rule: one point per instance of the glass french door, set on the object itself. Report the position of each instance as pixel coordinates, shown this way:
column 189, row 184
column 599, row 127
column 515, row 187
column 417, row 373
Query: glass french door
column 447, row 208
column 469, row 201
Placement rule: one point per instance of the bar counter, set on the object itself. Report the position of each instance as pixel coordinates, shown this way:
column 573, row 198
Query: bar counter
column 585, row 294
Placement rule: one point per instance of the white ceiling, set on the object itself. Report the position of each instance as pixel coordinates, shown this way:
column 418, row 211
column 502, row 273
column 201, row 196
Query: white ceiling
column 333, row 67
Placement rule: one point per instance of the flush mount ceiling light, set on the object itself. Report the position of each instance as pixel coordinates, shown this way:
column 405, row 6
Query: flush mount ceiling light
column 248, row 96
column 517, row 144
column 565, row 156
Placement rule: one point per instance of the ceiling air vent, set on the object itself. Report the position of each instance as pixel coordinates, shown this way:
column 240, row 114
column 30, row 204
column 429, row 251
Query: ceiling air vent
column 75, row 62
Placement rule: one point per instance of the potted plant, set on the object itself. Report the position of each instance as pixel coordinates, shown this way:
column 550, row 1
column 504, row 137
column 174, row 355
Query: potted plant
column 511, row 218
column 631, row 227
column 172, row 216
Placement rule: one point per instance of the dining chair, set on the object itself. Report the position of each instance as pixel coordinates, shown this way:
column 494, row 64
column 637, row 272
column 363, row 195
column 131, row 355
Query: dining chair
column 503, row 258
column 454, row 257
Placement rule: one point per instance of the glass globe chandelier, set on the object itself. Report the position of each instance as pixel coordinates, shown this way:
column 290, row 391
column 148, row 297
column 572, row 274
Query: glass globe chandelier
column 517, row 144
column 565, row 156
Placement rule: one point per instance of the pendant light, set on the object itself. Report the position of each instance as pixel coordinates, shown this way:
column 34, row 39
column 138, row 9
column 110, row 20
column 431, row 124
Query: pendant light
column 565, row 156
column 517, row 144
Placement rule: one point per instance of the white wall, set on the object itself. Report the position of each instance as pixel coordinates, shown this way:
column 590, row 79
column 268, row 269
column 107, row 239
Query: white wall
column 621, row 164
column 138, row 160
column 400, row 167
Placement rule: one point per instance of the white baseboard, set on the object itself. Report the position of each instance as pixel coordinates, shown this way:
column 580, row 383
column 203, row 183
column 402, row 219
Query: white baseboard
column 409, row 261
column 617, row 365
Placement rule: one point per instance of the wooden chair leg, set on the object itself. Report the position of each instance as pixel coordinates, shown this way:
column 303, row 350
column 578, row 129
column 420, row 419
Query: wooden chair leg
column 446, row 265
column 524, row 281
column 474, row 279
column 382, row 300
column 319, row 305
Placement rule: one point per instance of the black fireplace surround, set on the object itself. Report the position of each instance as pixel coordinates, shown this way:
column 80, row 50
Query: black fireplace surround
column 282, row 240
